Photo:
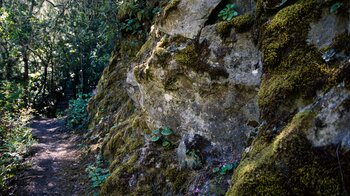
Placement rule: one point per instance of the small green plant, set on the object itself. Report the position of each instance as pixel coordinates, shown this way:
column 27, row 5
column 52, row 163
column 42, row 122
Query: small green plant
column 97, row 173
column 225, row 168
column 132, row 26
column 334, row 8
column 193, row 159
column 163, row 137
column 229, row 12
column 77, row 115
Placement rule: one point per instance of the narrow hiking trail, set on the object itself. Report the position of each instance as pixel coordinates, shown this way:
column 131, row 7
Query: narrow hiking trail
column 56, row 162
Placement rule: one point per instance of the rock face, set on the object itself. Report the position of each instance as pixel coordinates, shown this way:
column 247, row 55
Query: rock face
column 331, row 124
column 323, row 31
column 215, row 97
column 305, row 136
column 187, row 18
column 274, row 74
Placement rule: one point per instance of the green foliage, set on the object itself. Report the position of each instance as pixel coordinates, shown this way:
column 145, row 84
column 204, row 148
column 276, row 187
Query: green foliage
column 15, row 138
column 229, row 12
column 155, row 138
column 162, row 136
column 334, row 8
column 166, row 144
column 65, row 46
column 77, row 115
column 97, row 173
column 135, row 16
column 11, row 96
column 227, row 167
column 167, row 132
column 132, row 26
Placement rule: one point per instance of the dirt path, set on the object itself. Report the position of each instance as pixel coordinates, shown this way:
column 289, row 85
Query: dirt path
column 56, row 164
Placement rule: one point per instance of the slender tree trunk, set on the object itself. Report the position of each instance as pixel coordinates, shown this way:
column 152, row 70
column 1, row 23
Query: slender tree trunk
column 25, row 75
column 43, row 85
column 26, row 63
column 25, row 56
column 52, row 85
column 76, row 82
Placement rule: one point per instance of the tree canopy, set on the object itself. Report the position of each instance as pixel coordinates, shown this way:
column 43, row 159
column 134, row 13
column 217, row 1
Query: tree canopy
column 53, row 50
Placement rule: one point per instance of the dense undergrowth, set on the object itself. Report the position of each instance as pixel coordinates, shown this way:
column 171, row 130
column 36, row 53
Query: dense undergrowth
column 15, row 136
column 77, row 116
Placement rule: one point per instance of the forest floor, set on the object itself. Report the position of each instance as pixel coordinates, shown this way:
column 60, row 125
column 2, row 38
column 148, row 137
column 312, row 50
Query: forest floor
column 57, row 164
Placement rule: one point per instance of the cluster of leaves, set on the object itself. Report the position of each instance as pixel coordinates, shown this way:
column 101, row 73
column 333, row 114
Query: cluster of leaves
column 136, row 15
column 11, row 96
column 132, row 25
column 77, row 115
column 15, row 138
column 229, row 12
column 334, row 8
column 97, row 173
column 225, row 168
column 162, row 136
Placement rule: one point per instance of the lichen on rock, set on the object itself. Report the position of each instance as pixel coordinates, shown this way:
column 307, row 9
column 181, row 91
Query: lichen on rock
column 255, row 90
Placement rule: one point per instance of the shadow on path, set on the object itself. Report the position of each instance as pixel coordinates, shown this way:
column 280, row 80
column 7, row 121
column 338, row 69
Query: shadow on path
column 56, row 162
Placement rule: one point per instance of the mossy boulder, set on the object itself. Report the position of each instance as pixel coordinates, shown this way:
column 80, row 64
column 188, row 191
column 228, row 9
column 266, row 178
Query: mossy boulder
column 294, row 70
column 302, row 146
column 289, row 164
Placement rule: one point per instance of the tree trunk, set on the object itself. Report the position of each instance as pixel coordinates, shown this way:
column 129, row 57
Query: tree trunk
column 52, row 85
column 26, row 63
column 25, row 56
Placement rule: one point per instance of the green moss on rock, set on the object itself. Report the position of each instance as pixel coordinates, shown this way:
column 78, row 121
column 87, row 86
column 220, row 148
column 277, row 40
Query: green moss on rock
column 192, row 57
column 155, row 172
column 118, row 182
column 299, row 75
column 240, row 24
column 178, row 178
column 146, row 47
column 131, row 45
column 288, row 28
column 170, row 7
column 187, row 56
column 293, row 70
column 288, row 165
column 342, row 43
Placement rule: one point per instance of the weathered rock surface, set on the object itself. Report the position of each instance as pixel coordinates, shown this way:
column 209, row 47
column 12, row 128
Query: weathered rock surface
column 188, row 18
column 330, row 25
column 215, row 98
column 331, row 124
column 217, row 85
column 297, row 153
